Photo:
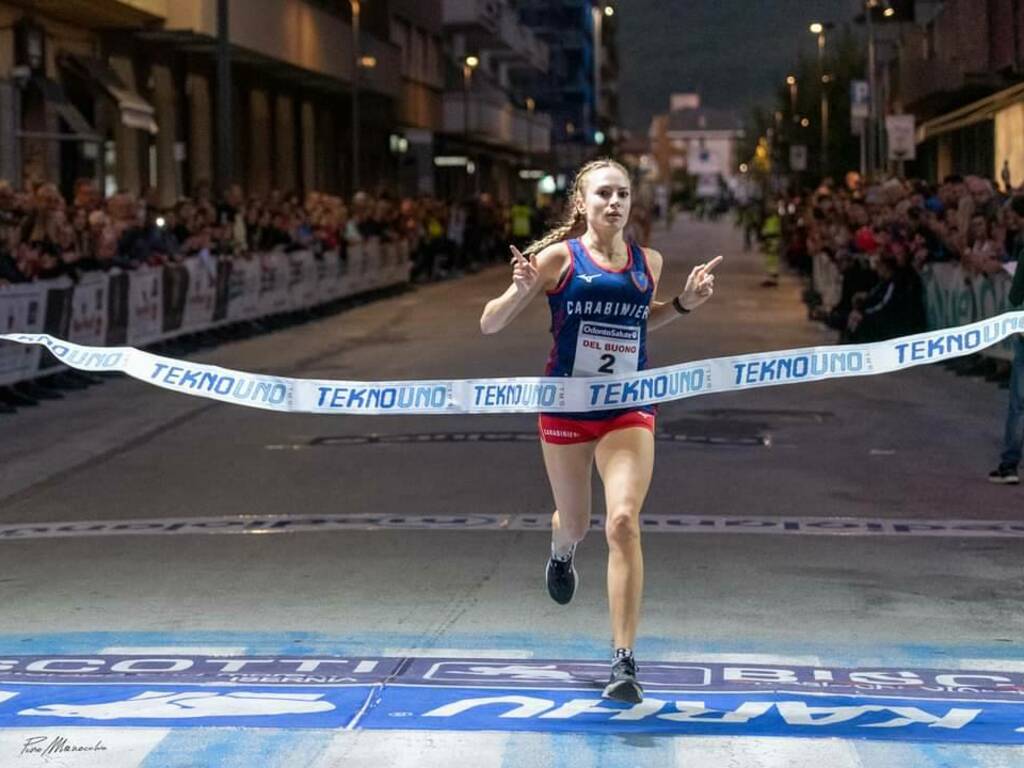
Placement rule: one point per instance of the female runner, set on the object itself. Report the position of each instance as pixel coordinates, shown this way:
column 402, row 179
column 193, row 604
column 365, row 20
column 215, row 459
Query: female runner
column 600, row 290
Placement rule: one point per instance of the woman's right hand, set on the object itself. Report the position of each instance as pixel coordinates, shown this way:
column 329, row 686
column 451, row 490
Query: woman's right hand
column 524, row 272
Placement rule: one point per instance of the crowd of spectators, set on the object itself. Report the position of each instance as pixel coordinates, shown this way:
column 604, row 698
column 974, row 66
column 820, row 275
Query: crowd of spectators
column 43, row 236
column 879, row 237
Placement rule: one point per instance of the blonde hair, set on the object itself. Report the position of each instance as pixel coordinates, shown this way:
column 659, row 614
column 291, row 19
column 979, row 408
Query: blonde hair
column 574, row 223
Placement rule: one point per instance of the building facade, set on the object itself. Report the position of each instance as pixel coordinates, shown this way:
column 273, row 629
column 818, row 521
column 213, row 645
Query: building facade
column 126, row 91
column 570, row 90
column 490, row 135
column 958, row 66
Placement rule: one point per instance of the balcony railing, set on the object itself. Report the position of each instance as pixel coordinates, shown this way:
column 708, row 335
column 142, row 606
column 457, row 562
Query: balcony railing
column 295, row 33
column 491, row 121
column 492, row 26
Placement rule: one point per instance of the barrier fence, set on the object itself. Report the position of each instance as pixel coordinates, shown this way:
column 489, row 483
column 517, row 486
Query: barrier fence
column 152, row 304
column 953, row 296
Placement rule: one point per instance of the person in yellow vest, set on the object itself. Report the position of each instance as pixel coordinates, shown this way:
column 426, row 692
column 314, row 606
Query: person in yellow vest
column 522, row 223
column 771, row 242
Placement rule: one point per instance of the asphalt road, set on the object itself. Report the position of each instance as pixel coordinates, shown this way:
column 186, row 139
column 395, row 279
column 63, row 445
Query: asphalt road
column 909, row 446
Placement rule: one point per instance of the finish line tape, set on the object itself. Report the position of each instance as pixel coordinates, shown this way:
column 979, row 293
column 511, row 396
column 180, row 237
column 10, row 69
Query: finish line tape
column 534, row 394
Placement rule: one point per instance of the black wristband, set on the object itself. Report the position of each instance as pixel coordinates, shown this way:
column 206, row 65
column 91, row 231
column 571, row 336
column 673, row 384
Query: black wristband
column 679, row 306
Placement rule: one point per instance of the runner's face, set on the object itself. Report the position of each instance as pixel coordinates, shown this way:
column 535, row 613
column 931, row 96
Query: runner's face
column 606, row 198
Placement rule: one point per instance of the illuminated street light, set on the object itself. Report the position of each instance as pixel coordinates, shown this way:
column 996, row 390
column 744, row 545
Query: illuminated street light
column 472, row 62
column 805, row 123
column 818, row 28
column 791, row 80
column 890, row 11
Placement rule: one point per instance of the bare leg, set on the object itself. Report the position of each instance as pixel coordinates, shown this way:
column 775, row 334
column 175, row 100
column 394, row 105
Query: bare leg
column 569, row 469
column 625, row 461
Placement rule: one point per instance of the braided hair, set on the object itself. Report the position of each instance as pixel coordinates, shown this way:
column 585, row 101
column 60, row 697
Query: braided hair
column 575, row 221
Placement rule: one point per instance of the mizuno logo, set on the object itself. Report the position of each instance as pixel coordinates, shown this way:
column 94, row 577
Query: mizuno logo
column 589, row 278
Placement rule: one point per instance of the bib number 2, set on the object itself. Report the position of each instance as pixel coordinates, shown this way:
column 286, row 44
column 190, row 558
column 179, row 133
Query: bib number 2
column 603, row 349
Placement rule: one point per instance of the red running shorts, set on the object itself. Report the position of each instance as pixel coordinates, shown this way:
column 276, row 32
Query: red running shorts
column 558, row 431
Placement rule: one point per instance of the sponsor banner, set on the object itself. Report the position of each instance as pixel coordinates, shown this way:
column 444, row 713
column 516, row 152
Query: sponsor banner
column 243, row 288
column 303, row 278
column 455, row 694
column 21, row 306
column 325, row 277
column 264, row 524
column 89, row 310
column 152, row 303
column 274, row 277
column 175, row 293
column 145, row 305
column 35, row 706
column 220, row 304
column 355, row 276
column 699, row 713
column 533, row 394
column 554, row 674
column 117, row 308
column 57, row 321
column 201, row 294
column 954, row 297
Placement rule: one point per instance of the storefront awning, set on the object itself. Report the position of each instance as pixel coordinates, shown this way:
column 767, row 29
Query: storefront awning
column 54, row 95
column 976, row 112
column 135, row 111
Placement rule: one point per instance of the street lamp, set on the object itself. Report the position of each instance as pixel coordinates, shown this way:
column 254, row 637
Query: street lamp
column 468, row 65
column 791, row 82
column 818, row 28
column 609, row 11
column 355, row 93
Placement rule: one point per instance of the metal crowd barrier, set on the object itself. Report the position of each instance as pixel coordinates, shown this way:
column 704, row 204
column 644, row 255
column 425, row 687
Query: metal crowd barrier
column 153, row 304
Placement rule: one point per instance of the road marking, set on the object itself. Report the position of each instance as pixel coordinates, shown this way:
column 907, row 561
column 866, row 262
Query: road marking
column 753, row 524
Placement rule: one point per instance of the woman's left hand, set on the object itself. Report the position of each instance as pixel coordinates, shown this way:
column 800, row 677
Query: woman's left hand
column 700, row 285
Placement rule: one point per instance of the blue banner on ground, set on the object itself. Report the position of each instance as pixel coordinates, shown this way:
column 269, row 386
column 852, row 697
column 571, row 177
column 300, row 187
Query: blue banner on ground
column 454, row 694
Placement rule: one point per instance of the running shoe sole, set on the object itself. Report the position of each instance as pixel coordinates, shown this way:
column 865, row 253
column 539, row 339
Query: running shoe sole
column 624, row 690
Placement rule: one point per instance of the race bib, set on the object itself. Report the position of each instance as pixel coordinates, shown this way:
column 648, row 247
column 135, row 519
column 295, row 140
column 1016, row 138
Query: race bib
column 603, row 349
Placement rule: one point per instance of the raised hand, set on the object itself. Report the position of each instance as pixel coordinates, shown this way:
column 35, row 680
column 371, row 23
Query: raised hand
column 524, row 271
column 700, row 285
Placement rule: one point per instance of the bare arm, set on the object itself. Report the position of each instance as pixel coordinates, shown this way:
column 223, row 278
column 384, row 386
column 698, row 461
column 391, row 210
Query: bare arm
column 529, row 277
column 700, row 286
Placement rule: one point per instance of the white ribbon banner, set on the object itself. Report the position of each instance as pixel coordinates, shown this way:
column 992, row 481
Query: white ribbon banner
column 533, row 394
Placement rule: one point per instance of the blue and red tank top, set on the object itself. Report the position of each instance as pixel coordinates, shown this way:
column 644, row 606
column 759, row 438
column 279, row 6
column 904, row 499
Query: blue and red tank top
column 599, row 320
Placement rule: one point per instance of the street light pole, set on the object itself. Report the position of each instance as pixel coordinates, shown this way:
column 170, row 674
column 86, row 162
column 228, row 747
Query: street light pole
column 819, row 29
column 872, row 126
column 791, row 82
column 355, row 94
column 468, row 65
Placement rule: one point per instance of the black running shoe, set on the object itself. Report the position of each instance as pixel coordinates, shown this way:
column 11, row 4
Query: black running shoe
column 1004, row 475
column 623, row 685
column 562, row 579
